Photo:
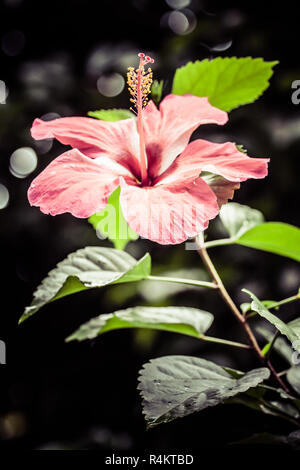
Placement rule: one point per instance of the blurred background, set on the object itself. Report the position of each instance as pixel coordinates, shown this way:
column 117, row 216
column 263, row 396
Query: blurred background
column 67, row 58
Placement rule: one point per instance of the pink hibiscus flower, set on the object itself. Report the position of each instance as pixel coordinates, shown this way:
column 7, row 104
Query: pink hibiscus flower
column 163, row 196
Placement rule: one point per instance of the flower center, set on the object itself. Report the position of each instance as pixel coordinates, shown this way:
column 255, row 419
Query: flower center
column 139, row 85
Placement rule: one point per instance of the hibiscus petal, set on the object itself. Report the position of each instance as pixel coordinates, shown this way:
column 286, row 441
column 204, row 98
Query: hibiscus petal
column 168, row 214
column 75, row 183
column 168, row 130
column 221, row 159
column 116, row 140
column 223, row 189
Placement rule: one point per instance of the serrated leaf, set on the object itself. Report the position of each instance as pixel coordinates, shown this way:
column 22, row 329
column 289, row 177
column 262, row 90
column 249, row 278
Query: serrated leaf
column 176, row 386
column 112, row 224
column 111, row 114
column 284, row 328
column 293, row 377
column 238, row 219
column 274, row 237
column 87, row 268
column 228, row 82
column 184, row 320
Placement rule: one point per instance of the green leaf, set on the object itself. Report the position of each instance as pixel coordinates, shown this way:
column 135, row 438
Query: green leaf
column 112, row 224
column 238, row 219
column 293, row 376
column 295, row 324
column 88, row 268
column 156, row 90
column 281, row 346
column 286, row 408
column 284, row 328
column 228, row 82
column 111, row 114
column 275, row 237
column 176, row 386
column 246, row 306
column 184, row 320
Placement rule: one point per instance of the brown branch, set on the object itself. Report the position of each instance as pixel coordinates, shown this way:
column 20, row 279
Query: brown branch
column 236, row 312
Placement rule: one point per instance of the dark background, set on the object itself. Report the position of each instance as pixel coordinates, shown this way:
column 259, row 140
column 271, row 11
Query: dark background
column 83, row 395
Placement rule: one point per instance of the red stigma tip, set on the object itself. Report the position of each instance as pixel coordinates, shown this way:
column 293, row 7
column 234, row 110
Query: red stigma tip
column 147, row 58
column 141, row 55
column 151, row 61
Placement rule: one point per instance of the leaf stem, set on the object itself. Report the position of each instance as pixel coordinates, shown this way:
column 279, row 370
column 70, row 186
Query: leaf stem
column 285, row 301
column 191, row 282
column 277, row 304
column 212, row 339
column 220, row 242
column 267, row 355
column 236, row 312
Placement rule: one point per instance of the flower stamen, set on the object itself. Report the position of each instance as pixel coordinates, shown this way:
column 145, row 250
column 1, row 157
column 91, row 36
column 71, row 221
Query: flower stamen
column 139, row 85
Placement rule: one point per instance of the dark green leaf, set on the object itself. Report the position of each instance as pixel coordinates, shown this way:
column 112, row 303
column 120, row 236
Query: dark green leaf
column 284, row 328
column 228, row 82
column 112, row 224
column 184, row 320
column 281, row 346
column 295, row 324
column 285, row 408
column 111, row 114
column 85, row 269
column 293, row 376
column 176, row 386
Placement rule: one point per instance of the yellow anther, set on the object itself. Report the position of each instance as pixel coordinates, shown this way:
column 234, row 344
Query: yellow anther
column 139, row 83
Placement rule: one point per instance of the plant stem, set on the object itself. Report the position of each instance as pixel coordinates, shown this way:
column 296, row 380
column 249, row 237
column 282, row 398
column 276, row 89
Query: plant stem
column 220, row 242
column 212, row 339
column 191, row 282
column 283, row 372
column 285, row 301
column 236, row 312
column 267, row 355
column 277, row 377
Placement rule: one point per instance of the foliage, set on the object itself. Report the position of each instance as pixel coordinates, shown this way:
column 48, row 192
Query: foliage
column 176, row 386
column 228, row 82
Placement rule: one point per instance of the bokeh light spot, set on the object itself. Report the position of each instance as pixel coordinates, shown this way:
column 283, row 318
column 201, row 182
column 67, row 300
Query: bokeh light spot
column 3, row 92
column 177, row 4
column 23, row 161
column 50, row 116
column 178, row 22
column 110, row 85
column 4, row 196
